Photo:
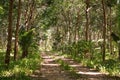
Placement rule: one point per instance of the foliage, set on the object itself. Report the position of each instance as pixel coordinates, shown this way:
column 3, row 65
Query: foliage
column 26, row 39
column 111, row 3
column 49, row 15
column 79, row 49
column 1, row 10
column 110, row 66
column 27, row 42
column 57, row 41
column 65, row 66
column 21, row 69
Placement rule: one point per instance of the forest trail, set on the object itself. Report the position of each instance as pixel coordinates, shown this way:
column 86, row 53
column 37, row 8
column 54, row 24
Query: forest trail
column 51, row 70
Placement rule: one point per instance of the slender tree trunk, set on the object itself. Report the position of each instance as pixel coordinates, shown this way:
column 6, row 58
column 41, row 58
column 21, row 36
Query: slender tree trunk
column 118, row 18
column 65, row 28
column 28, row 19
column 75, row 34
column 7, row 55
column 24, row 53
column 17, row 29
column 69, row 27
column 26, row 13
column 111, row 48
column 30, row 15
column 77, row 27
column 104, row 29
column 87, row 20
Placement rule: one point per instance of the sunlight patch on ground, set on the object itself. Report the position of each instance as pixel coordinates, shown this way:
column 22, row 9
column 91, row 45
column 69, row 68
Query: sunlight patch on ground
column 47, row 57
column 75, row 65
column 59, row 57
column 35, row 76
column 89, row 73
column 49, row 60
column 50, row 64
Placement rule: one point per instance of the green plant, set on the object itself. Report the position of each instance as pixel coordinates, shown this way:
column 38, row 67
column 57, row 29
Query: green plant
column 20, row 69
column 25, row 41
column 79, row 49
column 65, row 66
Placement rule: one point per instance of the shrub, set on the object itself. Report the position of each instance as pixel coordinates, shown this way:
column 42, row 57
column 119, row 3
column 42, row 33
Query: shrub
column 80, row 49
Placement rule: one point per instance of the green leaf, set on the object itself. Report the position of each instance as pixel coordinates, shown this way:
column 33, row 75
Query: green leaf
column 1, row 10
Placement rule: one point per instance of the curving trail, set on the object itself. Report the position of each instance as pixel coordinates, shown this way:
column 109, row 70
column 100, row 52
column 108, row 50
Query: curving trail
column 50, row 70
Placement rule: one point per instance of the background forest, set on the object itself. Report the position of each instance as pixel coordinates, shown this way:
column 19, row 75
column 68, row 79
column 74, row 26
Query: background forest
column 86, row 30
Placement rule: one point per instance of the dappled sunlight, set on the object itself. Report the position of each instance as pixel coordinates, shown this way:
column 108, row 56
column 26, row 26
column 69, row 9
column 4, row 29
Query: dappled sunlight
column 75, row 65
column 50, row 65
column 89, row 73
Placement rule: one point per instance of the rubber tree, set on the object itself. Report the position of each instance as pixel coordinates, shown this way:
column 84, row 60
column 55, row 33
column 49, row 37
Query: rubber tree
column 9, row 39
column 17, row 30
column 110, row 4
column 118, row 25
column 104, row 29
column 87, row 20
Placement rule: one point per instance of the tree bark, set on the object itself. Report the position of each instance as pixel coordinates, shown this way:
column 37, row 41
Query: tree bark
column 29, row 14
column 104, row 29
column 9, row 39
column 111, row 47
column 87, row 21
column 16, row 32
column 24, row 53
column 118, row 18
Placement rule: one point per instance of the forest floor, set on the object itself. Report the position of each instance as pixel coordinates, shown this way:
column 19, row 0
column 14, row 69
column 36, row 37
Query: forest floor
column 51, row 69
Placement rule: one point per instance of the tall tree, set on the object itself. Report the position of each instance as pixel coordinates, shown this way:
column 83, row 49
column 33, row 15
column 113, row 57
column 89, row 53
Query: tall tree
column 87, row 20
column 110, row 4
column 118, row 25
column 29, row 13
column 7, row 56
column 17, row 29
column 111, row 47
column 104, row 28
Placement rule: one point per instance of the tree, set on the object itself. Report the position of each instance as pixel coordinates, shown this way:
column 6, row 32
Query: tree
column 9, row 39
column 87, row 20
column 17, row 29
column 104, row 28
column 110, row 4
column 118, row 25
column 25, row 41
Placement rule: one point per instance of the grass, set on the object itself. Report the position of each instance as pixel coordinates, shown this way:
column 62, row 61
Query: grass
column 111, row 66
column 20, row 69
column 68, row 69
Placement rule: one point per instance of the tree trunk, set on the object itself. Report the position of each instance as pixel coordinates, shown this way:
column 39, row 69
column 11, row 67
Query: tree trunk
column 17, row 29
column 7, row 55
column 24, row 53
column 111, row 48
column 87, row 21
column 118, row 18
column 28, row 21
column 29, row 14
column 104, row 29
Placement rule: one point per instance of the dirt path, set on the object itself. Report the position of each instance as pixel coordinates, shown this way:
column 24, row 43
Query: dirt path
column 50, row 70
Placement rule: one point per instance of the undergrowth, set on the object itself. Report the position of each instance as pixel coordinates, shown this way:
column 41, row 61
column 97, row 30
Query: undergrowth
column 20, row 69
column 90, row 55
column 110, row 66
